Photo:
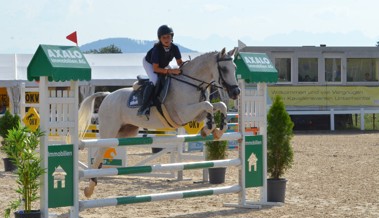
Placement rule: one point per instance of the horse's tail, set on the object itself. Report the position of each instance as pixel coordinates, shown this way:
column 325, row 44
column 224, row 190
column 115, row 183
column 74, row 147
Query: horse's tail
column 86, row 110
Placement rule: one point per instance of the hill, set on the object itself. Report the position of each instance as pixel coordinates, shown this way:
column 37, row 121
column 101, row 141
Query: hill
column 126, row 45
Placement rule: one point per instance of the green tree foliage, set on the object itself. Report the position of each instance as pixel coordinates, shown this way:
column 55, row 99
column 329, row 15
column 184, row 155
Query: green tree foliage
column 279, row 135
column 21, row 144
column 110, row 49
column 7, row 122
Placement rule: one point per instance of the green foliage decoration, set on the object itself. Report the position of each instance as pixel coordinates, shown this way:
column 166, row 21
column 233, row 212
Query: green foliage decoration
column 21, row 144
column 7, row 122
column 280, row 154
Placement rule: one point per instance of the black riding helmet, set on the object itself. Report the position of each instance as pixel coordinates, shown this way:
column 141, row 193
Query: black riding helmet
column 163, row 30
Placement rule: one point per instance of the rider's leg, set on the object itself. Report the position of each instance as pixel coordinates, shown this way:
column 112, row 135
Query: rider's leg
column 146, row 98
column 149, row 90
column 150, row 71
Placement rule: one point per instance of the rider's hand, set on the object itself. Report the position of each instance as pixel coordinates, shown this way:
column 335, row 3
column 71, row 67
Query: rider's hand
column 174, row 71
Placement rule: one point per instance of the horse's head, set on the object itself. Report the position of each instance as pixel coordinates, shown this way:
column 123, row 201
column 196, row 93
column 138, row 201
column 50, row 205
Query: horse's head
column 227, row 73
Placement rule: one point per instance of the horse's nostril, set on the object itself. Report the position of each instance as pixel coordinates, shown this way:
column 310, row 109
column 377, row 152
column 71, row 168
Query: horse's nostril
column 237, row 91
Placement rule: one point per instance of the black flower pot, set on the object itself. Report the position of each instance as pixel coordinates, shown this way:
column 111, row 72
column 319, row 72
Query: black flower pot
column 31, row 214
column 9, row 165
column 276, row 190
column 217, row 175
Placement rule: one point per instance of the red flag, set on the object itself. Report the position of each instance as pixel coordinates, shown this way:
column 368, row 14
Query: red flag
column 72, row 37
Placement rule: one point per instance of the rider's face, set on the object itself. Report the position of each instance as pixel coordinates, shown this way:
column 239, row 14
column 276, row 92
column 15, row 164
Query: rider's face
column 166, row 40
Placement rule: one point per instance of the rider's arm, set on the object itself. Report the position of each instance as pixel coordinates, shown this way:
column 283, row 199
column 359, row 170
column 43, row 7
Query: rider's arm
column 157, row 69
column 179, row 62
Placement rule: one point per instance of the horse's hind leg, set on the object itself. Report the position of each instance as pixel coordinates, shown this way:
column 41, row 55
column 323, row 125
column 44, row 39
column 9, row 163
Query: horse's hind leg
column 124, row 131
column 97, row 164
column 109, row 131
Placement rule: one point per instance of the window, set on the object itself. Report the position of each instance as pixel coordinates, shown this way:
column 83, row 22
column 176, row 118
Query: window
column 362, row 69
column 308, row 70
column 283, row 65
column 333, row 69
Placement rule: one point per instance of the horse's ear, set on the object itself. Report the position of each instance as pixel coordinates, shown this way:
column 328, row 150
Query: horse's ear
column 232, row 52
column 222, row 53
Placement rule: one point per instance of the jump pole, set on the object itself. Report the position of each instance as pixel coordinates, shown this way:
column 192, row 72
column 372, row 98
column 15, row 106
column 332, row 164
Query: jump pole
column 115, row 142
column 157, row 197
column 92, row 173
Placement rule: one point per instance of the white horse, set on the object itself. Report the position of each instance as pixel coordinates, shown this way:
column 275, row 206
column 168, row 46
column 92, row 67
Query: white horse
column 185, row 102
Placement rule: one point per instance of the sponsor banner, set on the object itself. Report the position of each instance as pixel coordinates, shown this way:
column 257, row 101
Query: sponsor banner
column 253, row 161
column 61, row 175
column 32, row 97
column 326, row 95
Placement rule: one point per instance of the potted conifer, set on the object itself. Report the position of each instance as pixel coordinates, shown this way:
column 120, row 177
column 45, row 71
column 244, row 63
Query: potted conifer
column 7, row 122
column 279, row 149
column 216, row 150
column 21, row 144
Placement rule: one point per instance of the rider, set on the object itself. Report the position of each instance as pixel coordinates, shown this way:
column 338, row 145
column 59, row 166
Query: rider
column 156, row 63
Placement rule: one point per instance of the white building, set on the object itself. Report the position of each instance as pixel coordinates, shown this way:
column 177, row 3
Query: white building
column 321, row 84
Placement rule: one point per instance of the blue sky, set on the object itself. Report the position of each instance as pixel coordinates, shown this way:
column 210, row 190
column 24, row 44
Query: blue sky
column 202, row 25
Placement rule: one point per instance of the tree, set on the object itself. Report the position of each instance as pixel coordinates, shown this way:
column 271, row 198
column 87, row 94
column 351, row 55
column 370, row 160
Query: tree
column 279, row 135
column 92, row 51
column 110, row 49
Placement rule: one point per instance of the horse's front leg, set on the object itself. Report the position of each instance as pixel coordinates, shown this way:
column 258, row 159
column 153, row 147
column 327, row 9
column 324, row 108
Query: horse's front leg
column 190, row 112
column 218, row 132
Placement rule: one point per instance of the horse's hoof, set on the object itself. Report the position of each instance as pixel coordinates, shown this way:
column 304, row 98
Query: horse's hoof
column 217, row 134
column 88, row 192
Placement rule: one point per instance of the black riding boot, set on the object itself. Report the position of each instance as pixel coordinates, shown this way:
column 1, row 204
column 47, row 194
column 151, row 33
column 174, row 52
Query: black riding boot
column 147, row 95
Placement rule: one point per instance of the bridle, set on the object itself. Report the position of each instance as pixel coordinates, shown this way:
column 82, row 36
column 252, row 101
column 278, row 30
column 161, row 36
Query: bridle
column 212, row 84
column 221, row 78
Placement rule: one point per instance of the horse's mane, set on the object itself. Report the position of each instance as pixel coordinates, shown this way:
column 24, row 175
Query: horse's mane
column 195, row 61
column 206, row 54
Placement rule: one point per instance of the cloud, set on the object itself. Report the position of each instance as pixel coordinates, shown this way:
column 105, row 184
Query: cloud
column 77, row 7
column 213, row 7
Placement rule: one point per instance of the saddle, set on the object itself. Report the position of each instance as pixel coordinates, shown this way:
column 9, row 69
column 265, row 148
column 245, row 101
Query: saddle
column 161, row 90
column 136, row 98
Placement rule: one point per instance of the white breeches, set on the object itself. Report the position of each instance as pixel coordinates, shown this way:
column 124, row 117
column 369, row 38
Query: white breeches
column 150, row 71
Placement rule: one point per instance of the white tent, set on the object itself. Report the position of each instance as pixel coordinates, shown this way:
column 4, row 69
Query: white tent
column 107, row 70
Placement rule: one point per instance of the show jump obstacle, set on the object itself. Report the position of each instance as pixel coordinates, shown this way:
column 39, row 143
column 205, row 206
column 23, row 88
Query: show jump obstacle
column 59, row 187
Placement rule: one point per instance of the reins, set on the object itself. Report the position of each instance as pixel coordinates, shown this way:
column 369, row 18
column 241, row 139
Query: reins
column 202, row 82
column 198, row 87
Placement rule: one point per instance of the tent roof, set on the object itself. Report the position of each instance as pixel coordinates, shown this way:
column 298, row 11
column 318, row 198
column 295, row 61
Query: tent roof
column 59, row 63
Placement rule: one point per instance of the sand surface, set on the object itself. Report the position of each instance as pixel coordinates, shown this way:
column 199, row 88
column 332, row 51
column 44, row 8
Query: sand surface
column 334, row 175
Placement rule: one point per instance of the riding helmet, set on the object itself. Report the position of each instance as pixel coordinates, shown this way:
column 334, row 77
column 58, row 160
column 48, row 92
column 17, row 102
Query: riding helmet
column 164, row 29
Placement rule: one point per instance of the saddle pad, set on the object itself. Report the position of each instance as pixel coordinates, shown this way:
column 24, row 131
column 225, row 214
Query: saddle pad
column 135, row 98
